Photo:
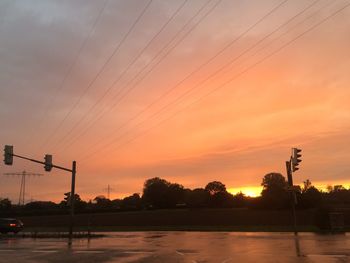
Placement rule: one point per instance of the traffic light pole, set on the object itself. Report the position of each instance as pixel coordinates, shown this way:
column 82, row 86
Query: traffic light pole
column 292, row 196
column 73, row 171
column 72, row 199
column 36, row 161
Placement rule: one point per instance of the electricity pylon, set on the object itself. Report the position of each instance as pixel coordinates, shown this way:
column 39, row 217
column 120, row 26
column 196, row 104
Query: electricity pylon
column 109, row 190
column 22, row 191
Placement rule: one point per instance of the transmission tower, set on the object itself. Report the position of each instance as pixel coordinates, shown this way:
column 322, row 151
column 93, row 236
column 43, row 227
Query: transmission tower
column 22, row 191
column 109, row 189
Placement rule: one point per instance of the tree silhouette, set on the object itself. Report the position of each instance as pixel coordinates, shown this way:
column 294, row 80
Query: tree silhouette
column 78, row 203
column 102, row 202
column 306, row 186
column 311, row 196
column 274, row 194
column 215, row 187
column 175, row 195
column 155, row 191
column 132, row 202
column 159, row 193
column 5, row 204
column 196, row 198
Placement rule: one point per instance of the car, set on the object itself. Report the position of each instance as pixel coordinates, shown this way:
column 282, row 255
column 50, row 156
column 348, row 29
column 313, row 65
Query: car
column 10, row 225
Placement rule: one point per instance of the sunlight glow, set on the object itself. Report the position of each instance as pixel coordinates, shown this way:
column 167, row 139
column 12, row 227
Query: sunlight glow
column 252, row 191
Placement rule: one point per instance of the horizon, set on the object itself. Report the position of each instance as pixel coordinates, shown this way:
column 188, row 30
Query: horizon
column 249, row 191
column 189, row 91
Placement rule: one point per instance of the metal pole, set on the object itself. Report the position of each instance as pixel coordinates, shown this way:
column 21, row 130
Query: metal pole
column 292, row 197
column 72, row 199
column 24, row 187
column 20, row 191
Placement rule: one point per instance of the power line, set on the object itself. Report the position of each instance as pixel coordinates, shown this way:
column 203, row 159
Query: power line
column 293, row 27
column 124, row 71
column 103, row 112
column 69, row 71
column 115, row 51
column 227, row 46
column 231, row 79
column 222, row 50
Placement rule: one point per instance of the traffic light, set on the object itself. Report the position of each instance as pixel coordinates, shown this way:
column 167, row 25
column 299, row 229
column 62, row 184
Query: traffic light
column 296, row 155
column 8, row 154
column 48, row 162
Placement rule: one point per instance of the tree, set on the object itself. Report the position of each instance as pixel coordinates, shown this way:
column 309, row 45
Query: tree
column 175, row 195
column 155, row 191
column 274, row 194
column 240, row 200
column 132, row 202
column 273, row 181
column 102, row 202
column 41, row 205
column 215, row 187
column 78, row 203
column 196, row 198
column 221, row 199
column 339, row 195
column 160, row 193
column 307, row 185
column 310, row 198
column 5, row 204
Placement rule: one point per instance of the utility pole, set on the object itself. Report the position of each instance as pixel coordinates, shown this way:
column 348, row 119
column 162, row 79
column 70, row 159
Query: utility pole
column 22, row 191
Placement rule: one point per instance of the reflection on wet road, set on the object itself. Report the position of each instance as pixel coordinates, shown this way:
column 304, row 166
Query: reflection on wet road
column 191, row 247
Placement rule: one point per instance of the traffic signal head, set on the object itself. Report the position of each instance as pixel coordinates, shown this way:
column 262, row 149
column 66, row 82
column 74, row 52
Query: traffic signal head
column 8, row 154
column 48, row 162
column 296, row 155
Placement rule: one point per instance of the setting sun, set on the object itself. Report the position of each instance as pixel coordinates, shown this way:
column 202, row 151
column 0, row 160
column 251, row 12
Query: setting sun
column 252, row 191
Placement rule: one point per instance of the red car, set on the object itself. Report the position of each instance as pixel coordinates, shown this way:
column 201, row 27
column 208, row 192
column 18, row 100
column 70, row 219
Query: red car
column 10, row 225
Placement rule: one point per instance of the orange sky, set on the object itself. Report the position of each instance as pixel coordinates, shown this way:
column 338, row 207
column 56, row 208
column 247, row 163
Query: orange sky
column 298, row 97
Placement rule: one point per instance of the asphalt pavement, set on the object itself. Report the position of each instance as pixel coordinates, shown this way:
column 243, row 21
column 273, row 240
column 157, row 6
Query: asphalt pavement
column 194, row 247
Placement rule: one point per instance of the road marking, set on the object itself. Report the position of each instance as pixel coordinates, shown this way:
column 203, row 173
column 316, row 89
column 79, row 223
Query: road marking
column 226, row 260
column 179, row 253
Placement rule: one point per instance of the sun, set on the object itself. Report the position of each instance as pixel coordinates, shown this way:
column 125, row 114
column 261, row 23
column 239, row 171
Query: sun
column 252, row 191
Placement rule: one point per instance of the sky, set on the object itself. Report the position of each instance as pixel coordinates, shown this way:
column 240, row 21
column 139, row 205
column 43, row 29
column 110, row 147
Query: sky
column 189, row 90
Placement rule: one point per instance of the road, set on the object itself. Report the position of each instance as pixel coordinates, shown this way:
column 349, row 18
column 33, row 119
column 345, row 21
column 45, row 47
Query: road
column 192, row 247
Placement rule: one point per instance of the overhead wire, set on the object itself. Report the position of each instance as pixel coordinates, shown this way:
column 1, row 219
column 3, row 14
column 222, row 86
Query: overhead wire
column 126, row 69
column 222, row 50
column 68, row 73
column 104, row 111
column 226, row 82
column 107, row 61
column 207, row 62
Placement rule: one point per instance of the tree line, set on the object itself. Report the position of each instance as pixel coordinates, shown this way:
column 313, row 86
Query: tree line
column 159, row 193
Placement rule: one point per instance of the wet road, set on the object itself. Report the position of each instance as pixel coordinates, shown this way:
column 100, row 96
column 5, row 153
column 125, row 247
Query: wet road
column 222, row 247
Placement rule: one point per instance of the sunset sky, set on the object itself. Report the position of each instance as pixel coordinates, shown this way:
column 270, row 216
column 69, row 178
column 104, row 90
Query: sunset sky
column 188, row 90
